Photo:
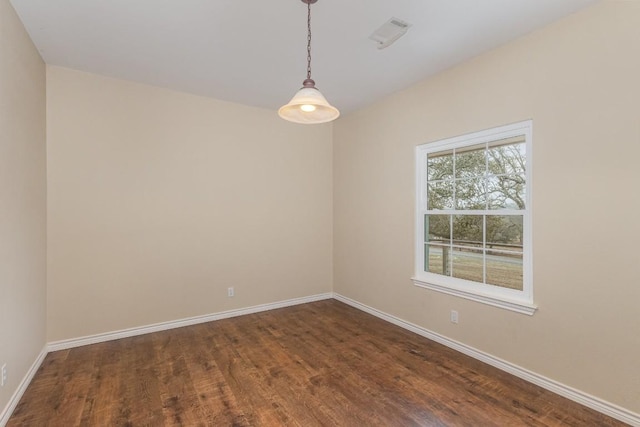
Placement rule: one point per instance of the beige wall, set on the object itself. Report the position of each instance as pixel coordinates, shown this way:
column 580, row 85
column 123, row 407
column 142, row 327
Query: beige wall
column 22, row 201
column 579, row 80
column 159, row 200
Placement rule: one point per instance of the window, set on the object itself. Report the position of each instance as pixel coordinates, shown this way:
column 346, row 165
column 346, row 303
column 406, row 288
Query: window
column 473, row 226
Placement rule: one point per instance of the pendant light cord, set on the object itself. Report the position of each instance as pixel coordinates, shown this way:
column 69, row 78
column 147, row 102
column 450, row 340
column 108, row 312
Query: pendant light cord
column 308, row 40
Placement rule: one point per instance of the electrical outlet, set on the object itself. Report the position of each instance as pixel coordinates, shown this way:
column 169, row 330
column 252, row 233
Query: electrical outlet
column 230, row 292
column 454, row 316
column 3, row 376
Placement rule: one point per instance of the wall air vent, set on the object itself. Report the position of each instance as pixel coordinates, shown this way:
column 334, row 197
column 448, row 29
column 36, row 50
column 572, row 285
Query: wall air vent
column 389, row 32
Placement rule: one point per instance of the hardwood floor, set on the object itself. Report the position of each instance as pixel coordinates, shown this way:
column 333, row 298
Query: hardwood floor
column 322, row 363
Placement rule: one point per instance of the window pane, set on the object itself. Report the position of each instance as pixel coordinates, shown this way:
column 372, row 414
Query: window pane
column 440, row 165
column 471, row 161
column 504, row 270
column 504, row 232
column 467, row 264
column 440, row 195
column 506, row 192
column 467, row 230
column 438, row 228
column 471, row 193
column 507, row 156
column 438, row 259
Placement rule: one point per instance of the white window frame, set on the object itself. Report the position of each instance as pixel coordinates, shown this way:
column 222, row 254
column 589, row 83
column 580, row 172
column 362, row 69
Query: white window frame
column 510, row 299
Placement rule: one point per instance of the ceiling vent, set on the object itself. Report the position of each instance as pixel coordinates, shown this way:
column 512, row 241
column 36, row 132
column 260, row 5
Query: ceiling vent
column 389, row 32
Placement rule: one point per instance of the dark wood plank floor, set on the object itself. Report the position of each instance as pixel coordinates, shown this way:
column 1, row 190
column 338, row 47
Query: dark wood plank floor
column 323, row 363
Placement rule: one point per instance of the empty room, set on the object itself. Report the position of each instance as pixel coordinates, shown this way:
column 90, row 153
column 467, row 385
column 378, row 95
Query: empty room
column 319, row 213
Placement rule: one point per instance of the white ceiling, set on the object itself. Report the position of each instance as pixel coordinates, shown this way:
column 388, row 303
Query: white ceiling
column 254, row 51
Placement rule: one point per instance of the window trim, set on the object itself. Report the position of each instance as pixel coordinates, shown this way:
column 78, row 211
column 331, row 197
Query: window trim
column 509, row 299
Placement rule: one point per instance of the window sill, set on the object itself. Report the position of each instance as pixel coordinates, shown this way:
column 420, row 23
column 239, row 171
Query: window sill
column 507, row 304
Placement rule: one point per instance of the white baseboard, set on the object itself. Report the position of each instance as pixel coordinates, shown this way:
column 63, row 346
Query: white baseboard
column 22, row 387
column 585, row 399
column 141, row 330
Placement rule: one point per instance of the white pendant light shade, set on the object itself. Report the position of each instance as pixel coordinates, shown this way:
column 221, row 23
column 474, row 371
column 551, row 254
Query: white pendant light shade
column 308, row 106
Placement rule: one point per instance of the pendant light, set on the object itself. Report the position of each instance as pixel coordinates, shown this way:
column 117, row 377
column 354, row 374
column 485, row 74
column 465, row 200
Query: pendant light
column 308, row 106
